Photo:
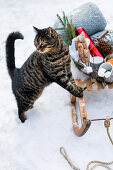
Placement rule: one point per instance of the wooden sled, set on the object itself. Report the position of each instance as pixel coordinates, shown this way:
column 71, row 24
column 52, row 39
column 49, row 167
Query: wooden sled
column 85, row 123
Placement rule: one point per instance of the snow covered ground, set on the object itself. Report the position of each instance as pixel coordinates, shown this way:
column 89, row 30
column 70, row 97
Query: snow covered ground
column 35, row 144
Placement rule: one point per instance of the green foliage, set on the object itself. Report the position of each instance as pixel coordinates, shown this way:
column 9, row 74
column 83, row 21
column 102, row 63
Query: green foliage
column 67, row 27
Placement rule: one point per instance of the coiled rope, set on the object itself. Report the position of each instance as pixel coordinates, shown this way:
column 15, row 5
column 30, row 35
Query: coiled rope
column 97, row 163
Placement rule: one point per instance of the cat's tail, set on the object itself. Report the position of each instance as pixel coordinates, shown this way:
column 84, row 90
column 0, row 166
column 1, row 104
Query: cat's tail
column 10, row 50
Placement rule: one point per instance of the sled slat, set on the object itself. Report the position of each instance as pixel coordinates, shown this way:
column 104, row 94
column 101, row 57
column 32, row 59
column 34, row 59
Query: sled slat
column 89, row 84
column 93, row 80
column 82, row 106
column 74, row 115
column 99, row 85
column 110, row 85
column 73, row 98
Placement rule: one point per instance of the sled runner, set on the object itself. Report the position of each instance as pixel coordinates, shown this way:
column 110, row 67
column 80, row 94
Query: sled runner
column 85, row 123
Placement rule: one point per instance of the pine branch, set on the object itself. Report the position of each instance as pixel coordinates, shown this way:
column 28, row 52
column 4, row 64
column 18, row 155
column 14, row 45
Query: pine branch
column 64, row 17
column 59, row 29
column 68, row 28
column 73, row 30
column 71, row 19
column 60, row 20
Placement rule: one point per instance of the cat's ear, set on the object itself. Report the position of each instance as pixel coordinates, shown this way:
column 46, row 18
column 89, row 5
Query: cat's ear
column 51, row 32
column 36, row 29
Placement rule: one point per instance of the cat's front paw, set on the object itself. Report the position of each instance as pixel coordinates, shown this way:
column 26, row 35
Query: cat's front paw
column 79, row 92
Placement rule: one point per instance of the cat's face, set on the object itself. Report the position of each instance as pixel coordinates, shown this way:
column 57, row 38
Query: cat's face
column 45, row 39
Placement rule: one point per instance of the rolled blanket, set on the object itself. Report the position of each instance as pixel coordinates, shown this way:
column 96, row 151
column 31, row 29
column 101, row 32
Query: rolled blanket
column 87, row 16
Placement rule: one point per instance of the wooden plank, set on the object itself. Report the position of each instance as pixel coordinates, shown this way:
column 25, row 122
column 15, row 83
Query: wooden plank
column 73, row 98
column 93, row 80
column 99, row 85
column 82, row 106
column 89, row 84
column 110, row 85
column 74, row 115
column 79, row 131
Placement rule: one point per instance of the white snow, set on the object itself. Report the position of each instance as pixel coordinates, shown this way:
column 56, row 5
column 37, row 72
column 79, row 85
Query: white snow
column 35, row 144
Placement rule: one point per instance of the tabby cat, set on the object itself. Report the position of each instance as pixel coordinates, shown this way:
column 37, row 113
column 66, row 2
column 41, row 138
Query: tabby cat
column 49, row 63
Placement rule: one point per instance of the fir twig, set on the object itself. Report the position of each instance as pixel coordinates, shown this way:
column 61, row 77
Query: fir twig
column 58, row 16
column 59, row 28
column 68, row 28
column 64, row 17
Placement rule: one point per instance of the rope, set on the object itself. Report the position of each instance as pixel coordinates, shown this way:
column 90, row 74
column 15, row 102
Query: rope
column 97, row 163
column 100, row 119
column 107, row 125
column 64, row 154
column 105, row 166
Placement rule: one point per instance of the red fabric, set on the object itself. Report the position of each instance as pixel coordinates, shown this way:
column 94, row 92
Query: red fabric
column 92, row 47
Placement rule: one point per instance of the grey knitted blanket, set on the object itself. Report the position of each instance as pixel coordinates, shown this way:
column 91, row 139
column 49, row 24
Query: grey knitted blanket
column 87, row 16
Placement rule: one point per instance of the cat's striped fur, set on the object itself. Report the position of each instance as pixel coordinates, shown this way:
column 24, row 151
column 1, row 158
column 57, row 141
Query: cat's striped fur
column 51, row 63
